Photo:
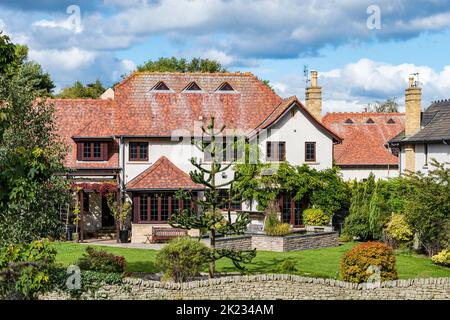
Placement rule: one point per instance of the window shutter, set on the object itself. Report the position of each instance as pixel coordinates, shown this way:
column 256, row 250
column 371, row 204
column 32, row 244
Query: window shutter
column 136, row 208
column 79, row 151
column 104, row 147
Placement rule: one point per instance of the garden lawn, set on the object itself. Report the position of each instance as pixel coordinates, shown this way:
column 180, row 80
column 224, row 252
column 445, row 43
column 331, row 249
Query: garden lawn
column 317, row 263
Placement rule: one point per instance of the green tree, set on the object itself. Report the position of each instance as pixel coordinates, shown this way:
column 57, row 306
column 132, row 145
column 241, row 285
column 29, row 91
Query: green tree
column 357, row 222
column 8, row 58
column 182, row 65
column 388, row 106
column 210, row 217
column 379, row 212
column 79, row 91
column 427, row 207
column 31, row 156
column 25, row 71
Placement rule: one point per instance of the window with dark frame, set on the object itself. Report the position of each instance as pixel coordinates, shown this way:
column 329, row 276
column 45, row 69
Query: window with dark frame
column 226, row 151
column 276, row 151
column 138, row 151
column 157, row 207
column 143, row 209
column 425, row 149
column 310, row 151
column 85, row 202
column 92, row 151
column 225, row 201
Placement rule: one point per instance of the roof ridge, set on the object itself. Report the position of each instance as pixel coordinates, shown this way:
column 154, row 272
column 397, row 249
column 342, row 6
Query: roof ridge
column 237, row 73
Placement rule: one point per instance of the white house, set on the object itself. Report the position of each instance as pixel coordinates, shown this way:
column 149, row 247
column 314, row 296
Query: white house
column 138, row 138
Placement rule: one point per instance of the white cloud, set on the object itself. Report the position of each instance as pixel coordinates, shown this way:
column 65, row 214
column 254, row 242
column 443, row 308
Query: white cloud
column 67, row 60
column 353, row 86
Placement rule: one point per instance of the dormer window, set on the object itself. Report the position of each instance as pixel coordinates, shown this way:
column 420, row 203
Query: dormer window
column 193, row 87
column 370, row 121
column 161, row 86
column 225, row 87
column 92, row 151
column 348, row 121
column 390, row 121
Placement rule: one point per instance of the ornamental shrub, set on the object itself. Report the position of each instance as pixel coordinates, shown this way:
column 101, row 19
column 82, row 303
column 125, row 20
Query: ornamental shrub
column 315, row 217
column 398, row 229
column 280, row 229
column 182, row 259
column 274, row 227
column 24, row 269
column 101, row 261
column 442, row 258
column 287, row 266
column 359, row 264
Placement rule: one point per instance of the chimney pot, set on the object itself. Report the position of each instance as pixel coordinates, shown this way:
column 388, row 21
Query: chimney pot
column 313, row 78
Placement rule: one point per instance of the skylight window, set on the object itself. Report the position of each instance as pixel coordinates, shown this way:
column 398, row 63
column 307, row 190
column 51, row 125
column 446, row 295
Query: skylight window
column 348, row 121
column 225, row 87
column 161, row 86
column 370, row 121
column 193, row 87
column 390, row 121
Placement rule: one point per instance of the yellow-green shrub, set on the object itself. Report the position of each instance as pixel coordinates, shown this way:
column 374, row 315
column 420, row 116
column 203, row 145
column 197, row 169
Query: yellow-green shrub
column 315, row 217
column 273, row 227
column 442, row 258
column 281, row 229
column 398, row 229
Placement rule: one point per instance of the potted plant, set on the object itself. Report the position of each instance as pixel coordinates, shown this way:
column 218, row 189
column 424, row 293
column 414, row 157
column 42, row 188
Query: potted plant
column 76, row 220
column 120, row 212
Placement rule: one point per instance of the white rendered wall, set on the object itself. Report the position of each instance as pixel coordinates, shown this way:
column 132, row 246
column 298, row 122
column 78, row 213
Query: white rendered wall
column 360, row 174
column 438, row 151
column 295, row 129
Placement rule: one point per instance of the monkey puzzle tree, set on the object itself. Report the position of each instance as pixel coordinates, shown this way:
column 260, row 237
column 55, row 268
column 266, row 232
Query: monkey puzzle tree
column 208, row 216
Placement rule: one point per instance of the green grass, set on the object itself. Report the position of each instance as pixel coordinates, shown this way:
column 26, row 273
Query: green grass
column 318, row 263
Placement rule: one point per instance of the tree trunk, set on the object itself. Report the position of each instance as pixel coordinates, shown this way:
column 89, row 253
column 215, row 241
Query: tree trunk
column 212, row 264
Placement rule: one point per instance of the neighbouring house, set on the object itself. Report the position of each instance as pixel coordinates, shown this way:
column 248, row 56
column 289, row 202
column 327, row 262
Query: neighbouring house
column 137, row 140
column 426, row 135
column 363, row 149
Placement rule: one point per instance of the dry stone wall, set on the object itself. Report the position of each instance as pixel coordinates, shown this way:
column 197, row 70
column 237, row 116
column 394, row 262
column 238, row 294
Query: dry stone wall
column 270, row 286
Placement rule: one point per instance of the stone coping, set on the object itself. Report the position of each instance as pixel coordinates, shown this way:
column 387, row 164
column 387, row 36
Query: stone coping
column 284, row 277
column 302, row 235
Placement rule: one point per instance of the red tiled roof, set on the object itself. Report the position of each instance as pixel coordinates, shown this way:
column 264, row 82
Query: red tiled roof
column 163, row 174
column 363, row 143
column 284, row 106
column 152, row 113
column 88, row 118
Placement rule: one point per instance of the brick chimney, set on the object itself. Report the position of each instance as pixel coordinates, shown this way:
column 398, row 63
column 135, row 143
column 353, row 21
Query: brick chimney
column 413, row 98
column 313, row 97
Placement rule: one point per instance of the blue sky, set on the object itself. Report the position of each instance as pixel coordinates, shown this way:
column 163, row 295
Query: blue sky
column 274, row 39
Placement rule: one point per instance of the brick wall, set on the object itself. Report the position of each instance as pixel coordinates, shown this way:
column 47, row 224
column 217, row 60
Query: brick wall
column 269, row 286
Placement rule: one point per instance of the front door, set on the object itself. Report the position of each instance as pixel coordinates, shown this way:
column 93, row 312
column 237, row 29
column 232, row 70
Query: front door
column 107, row 217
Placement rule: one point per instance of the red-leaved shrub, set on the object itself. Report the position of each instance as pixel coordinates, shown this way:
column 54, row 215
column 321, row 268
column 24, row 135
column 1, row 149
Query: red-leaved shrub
column 361, row 262
column 101, row 261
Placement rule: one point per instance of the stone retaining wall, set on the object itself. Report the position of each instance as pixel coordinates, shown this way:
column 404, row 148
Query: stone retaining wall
column 296, row 242
column 235, row 243
column 269, row 286
column 311, row 241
